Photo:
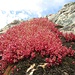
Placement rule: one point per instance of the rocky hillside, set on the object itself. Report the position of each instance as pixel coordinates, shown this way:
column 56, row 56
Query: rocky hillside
column 65, row 18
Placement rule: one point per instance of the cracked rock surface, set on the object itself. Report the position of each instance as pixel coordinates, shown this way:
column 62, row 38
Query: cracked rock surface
column 65, row 18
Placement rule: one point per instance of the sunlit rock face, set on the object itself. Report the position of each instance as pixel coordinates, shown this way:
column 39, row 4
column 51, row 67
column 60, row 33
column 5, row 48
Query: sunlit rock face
column 65, row 18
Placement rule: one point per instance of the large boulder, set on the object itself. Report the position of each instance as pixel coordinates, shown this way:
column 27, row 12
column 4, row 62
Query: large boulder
column 65, row 18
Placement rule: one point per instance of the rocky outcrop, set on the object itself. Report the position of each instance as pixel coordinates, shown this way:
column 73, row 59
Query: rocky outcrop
column 65, row 18
column 14, row 23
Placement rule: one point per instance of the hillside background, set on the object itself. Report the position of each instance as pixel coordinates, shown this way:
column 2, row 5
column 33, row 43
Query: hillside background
column 27, row 9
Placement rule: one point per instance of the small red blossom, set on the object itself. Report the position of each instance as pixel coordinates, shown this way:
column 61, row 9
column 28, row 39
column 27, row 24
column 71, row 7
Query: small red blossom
column 73, row 62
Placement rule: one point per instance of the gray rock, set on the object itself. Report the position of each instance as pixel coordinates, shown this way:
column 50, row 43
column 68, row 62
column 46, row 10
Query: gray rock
column 51, row 17
column 14, row 23
column 65, row 17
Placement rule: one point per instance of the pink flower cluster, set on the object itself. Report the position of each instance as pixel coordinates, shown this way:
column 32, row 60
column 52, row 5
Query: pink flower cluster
column 32, row 37
column 69, row 36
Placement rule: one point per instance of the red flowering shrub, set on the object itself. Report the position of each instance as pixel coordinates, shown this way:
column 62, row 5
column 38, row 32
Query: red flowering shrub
column 32, row 37
column 69, row 36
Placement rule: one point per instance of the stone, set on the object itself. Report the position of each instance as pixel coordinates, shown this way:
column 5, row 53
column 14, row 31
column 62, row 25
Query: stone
column 51, row 17
column 65, row 18
column 14, row 23
column 65, row 73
